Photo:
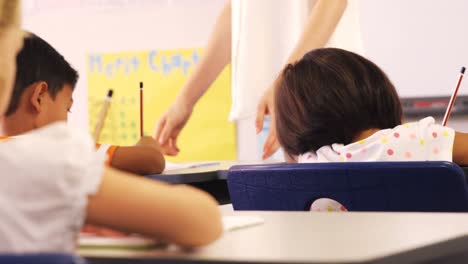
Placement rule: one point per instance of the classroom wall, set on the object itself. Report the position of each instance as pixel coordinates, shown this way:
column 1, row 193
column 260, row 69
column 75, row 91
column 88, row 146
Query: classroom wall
column 421, row 44
column 79, row 27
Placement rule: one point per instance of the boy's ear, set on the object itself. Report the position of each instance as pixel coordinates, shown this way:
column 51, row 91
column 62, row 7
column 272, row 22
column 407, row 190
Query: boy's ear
column 40, row 89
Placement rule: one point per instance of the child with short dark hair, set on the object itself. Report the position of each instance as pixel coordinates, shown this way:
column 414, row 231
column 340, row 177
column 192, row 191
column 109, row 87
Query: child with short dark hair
column 334, row 105
column 42, row 94
column 53, row 181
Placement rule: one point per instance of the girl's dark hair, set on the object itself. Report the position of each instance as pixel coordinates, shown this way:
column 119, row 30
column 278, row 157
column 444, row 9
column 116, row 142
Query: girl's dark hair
column 331, row 96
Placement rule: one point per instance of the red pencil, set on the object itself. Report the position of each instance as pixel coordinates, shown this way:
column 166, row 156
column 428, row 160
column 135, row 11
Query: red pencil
column 452, row 99
column 141, row 109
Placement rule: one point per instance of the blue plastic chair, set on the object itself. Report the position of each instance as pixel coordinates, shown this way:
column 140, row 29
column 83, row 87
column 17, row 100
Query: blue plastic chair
column 360, row 186
column 41, row 258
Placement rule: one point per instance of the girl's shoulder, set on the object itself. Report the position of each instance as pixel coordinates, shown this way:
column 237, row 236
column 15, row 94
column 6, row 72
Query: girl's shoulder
column 425, row 128
column 422, row 123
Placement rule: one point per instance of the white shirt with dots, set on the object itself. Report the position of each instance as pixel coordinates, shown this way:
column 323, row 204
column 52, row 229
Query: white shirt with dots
column 418, row 141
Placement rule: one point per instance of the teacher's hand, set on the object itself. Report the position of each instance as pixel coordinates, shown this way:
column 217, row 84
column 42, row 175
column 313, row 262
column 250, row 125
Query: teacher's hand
column 169, row 126
column 266, row 107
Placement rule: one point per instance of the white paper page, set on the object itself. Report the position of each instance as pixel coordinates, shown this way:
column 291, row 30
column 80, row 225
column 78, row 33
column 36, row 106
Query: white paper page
column 235, row 222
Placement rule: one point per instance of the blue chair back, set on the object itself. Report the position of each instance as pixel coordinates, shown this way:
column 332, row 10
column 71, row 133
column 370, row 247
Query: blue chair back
column 359, row 186
column 41, row 258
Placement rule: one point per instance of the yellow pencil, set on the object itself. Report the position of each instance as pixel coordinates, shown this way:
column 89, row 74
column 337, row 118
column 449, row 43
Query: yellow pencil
column 102, row 116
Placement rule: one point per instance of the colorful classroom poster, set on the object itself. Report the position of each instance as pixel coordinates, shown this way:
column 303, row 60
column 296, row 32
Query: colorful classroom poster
column 207, row 136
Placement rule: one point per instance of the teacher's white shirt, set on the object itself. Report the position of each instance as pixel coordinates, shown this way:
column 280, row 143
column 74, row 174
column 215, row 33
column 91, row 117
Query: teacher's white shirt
column 264, row 33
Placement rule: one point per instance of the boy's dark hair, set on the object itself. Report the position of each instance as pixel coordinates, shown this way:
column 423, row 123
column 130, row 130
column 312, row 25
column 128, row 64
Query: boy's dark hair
column 331, row 96
column 39, row 61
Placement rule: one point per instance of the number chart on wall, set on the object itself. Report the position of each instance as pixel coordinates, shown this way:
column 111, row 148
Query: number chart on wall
column 207, row 136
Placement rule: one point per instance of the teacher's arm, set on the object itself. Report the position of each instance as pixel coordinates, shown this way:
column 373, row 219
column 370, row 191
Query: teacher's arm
column 215, row 58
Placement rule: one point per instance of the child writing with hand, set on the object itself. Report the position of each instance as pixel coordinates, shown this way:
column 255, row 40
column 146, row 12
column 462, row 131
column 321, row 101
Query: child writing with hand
column 42, row 94
column 53, row 181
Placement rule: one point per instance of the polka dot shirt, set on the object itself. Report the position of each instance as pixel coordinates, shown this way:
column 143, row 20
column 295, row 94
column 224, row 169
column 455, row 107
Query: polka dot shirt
column 419, row 141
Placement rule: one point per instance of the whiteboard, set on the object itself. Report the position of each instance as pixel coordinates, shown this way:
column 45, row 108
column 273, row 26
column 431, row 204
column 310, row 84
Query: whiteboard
column 421, row 44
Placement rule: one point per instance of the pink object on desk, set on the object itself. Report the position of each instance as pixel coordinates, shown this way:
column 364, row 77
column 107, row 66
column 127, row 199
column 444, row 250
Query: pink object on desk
column 327, row 205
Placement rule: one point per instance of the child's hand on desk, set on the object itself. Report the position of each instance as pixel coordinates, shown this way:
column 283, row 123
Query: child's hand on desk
column 143, row 158
column 148, row 141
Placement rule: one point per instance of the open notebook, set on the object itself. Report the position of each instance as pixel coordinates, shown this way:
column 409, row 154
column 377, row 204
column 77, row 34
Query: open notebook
column 136, row 242
column 133, row 242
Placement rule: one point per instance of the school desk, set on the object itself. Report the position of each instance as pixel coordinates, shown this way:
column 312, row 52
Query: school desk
column 211, row 179
column 194, row 174
column 208, row 173
column 303, row 237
